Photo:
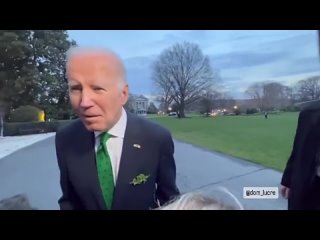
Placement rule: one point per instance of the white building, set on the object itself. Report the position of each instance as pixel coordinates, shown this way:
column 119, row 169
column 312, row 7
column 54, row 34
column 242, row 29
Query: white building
column 141, row 105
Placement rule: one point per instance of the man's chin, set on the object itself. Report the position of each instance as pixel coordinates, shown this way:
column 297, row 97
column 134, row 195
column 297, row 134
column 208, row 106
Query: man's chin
column 93, row 126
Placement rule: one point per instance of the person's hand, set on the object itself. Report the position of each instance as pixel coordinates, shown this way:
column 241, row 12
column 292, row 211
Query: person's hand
column 284, row 191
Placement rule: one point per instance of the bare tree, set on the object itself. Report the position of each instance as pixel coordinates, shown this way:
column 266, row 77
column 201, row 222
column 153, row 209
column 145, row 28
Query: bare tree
column 207, row 100
column 165, row 101
column 255, row 91
column 163, row 86
column 183, row 72
column 288, row 96
column 270, row 95
column 226, row 103
column 309, row 89
column 274, row 95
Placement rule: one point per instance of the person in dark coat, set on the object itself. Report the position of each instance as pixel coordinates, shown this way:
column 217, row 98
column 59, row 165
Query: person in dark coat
column 301, row 178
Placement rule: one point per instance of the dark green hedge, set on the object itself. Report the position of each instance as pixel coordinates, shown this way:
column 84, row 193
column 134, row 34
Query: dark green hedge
column 24, row 128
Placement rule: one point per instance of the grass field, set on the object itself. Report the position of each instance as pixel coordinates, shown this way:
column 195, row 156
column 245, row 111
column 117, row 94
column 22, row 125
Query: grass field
column 264, row 141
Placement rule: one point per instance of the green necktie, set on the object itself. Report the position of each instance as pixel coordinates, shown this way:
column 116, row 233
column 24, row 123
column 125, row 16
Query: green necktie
column 104, row 168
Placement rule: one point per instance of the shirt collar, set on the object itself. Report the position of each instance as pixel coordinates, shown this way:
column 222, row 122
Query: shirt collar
column 119, row 128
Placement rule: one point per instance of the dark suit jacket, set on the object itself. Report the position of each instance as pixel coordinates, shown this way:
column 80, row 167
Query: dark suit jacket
column 300, row 172
column 79, row 180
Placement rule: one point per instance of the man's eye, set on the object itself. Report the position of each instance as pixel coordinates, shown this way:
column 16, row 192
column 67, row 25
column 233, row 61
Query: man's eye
column 75, row 88
column 98, row 89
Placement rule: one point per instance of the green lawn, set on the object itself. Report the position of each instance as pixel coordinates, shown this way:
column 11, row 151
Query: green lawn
column 254, row 138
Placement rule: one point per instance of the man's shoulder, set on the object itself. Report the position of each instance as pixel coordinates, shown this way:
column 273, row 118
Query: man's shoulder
column 70, row 128
column 310, row 115
column 311, row 107
column 149, row 126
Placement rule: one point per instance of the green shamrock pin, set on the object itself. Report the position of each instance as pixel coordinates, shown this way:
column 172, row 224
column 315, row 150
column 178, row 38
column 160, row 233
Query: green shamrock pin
column 141, row 178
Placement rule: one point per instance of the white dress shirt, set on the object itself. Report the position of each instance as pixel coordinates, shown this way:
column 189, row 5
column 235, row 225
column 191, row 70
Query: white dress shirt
column 114, row 144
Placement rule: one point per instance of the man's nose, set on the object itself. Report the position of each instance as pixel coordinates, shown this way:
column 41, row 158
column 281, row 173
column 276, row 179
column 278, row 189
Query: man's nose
column 86, row 100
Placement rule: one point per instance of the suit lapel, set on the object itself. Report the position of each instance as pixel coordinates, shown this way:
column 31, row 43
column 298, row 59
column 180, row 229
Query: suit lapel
column 127, row 162
column 87, row 162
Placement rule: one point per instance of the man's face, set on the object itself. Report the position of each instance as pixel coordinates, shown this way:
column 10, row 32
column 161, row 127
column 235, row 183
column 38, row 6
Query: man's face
column 96, row 90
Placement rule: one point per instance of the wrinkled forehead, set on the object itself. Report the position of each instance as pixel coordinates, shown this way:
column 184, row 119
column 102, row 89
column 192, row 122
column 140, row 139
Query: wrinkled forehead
column 87, row 64
column 94, row 60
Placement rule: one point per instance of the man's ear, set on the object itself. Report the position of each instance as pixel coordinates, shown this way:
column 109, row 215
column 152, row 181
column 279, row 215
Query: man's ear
column 125, row 94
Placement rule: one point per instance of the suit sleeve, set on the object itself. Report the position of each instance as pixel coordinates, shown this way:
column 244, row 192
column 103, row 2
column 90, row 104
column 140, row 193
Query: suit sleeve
column 68, row 200
column 287, row 174
column 166, row 178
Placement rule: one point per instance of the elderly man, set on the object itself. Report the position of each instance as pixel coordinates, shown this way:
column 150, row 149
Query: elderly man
column 110, row 158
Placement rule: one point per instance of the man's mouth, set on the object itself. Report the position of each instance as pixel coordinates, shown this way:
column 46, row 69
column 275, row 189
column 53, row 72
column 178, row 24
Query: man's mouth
column 90, row 116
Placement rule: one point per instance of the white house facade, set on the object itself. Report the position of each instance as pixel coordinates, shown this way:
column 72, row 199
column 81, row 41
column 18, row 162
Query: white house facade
column 141, row 105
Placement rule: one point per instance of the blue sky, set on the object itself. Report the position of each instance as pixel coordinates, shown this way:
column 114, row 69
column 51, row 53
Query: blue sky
column 240, row 57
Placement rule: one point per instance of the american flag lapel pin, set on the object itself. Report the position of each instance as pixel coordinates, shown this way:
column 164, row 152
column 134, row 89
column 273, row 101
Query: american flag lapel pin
column 136, row 145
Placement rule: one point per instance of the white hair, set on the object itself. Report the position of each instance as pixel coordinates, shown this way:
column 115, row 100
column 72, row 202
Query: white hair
column 17, row 202
column 75, row 50
column 201, row 201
